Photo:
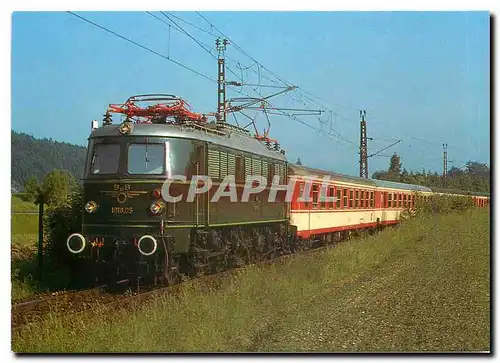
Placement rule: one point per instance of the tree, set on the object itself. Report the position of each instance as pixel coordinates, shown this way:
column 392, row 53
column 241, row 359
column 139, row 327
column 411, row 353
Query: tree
column 71, row 181
column 395, row 164
column 455, row 172
column 32, row 189
column 298, row 161
column 55, row 188
column 478, row 169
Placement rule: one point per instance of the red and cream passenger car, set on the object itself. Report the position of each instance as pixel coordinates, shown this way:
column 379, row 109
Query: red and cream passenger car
column 359, row 203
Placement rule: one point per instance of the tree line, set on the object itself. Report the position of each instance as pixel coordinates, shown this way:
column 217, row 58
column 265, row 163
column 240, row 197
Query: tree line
column 474, row 178
column 38, row 157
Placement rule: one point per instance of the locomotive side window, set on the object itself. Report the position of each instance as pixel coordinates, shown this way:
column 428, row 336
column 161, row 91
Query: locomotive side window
column 367, row 199
column 146, row 159
column 356, row 199
column 351, row 197
column 372, row 200
column 404, row 201
column 105, row 159
column 345, row 198
column 339, row 198
column 399, row 199
column 390, row 200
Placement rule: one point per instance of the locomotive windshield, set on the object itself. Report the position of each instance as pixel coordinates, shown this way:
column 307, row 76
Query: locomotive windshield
column 105, row 159
column 154, row 156
column 146, row 159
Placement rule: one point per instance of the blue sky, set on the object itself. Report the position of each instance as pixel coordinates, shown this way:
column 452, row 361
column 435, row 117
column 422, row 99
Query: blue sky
column 422, row 77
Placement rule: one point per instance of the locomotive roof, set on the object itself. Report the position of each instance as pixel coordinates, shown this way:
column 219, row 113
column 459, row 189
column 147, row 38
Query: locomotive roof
column 404, row 186
column 229, row 136
column 305, row 171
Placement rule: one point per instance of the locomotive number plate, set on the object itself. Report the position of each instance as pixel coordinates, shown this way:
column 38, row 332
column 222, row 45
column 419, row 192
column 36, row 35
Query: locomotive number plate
column 122, row 210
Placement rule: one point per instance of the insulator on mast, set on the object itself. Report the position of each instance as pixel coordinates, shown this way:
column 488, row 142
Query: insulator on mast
column 108, row 119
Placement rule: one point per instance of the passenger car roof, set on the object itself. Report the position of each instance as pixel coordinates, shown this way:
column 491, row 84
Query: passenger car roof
column 301, row 170
column 402, row 186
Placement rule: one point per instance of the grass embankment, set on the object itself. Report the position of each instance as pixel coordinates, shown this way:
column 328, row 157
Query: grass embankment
column 423, row 286
column 24, row 236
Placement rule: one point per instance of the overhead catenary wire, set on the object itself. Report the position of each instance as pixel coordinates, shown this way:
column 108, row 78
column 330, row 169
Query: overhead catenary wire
column 288, row 84
column 193, row 25
column 264, row 67
column 204, row 47
column 166, row 57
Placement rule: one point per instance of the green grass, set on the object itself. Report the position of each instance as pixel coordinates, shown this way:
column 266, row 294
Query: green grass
column 18, row 204
column 24, row 224
column 421, row 287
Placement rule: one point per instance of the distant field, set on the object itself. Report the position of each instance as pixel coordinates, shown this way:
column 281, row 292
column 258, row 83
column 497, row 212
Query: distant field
column 23, row 225
column 424, row 286
column 17, row 204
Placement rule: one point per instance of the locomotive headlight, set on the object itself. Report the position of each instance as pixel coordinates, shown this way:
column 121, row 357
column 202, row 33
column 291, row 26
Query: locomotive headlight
column 91, row 207
column 157, row 207
column 125, row 128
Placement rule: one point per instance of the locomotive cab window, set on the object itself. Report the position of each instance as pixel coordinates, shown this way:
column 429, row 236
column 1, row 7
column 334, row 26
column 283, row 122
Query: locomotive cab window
column 146, row 159
column 105, row 159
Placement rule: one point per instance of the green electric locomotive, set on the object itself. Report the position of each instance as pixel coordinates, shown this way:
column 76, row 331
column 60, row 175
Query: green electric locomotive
column 131, row 230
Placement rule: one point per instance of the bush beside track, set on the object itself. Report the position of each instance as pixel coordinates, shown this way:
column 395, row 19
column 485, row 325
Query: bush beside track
column 423, row 286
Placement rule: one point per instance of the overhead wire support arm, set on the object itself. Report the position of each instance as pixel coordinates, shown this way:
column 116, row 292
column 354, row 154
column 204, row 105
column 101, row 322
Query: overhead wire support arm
column 385, row 148
column 241, row 84
column 313, row 112
column 256, row 100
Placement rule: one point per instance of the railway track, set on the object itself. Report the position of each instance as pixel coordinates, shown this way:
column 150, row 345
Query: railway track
column 26, row 313
column 30, row 311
